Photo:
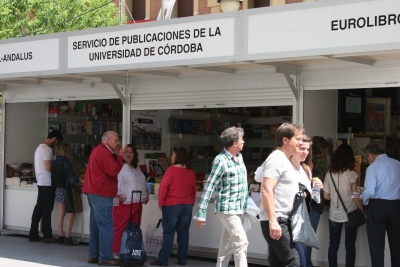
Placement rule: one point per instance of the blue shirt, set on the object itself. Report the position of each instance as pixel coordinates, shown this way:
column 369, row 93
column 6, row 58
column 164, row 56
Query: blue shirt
column 382, row 179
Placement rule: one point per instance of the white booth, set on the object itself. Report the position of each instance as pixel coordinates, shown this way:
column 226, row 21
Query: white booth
column 296, row 55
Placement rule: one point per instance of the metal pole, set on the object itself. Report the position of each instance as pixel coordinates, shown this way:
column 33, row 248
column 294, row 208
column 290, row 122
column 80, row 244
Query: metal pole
column 120, row 12
column 162, row 9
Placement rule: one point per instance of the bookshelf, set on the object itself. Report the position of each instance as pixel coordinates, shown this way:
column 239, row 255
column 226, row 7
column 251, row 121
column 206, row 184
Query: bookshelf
column 199, row 130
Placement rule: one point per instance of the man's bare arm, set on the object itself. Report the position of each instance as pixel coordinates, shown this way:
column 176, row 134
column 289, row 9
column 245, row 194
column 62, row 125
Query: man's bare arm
column 268, row 200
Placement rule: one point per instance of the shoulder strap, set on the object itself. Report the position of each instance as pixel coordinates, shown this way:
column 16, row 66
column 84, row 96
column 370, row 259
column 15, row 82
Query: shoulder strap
column 337, row 192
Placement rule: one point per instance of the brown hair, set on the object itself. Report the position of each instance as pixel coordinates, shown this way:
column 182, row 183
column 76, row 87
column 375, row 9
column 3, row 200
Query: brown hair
column 65, row 151
column 287, row 130
column 307, row 163
column 182, row 156
column 343, row 159
column 135, row 159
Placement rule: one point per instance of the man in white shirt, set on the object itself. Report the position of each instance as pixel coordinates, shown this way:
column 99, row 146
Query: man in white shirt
column 278, row 188
column 46, row 193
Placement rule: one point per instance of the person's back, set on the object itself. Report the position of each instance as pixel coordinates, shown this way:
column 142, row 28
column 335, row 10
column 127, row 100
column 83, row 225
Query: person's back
column 182, row 184
column 43, row 152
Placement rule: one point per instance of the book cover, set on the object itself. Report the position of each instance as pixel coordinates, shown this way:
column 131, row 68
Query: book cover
column 194, row 127
column 78, row 108
column 351, row 111
column 104, row 110
column 207, row 127
column 186, row 126
column 272, row 130
column 174, row 126
column 78, row 128
column 84, row 108
column 265, row 131
column 97, row 128
column 246, row 153
column 105, row 126
column 74, row 148
column 377, row 117
column 201, row 127
column 98, row 109
column 248, row 130
column 255, row 154
column 358, row 144
column 71, row 107
column 113, row 126
column 73, row 128
column 89, row 127
column 63, row 107
column 54, row 107
column 257, row 131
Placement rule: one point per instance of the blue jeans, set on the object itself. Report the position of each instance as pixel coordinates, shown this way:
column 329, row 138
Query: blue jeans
column 300, row 249
column 101, row 227
column 335, row 232
column 314, row 219
column 177, row 219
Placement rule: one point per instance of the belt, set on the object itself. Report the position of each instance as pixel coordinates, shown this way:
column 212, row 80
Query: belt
column 385, row 199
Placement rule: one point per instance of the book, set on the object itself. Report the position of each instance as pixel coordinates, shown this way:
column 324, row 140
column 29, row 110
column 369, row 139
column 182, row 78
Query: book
column 272, row 130
column 63, row 107
column 78, row 108
column 54, row 125
column 377, row 116
column 351, row 111
column 89, row 127
column 246, row 153
column 358, row 144
column 255, row 154
column 54, row 107
column 335, row 144
column 174, row 126
column 257, row 131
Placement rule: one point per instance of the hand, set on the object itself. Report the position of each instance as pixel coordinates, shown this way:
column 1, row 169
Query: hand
column 122, row 198
column 146, row 200
column 275, row 230
column 121, row 151
column 318, row 183
column 200, row 223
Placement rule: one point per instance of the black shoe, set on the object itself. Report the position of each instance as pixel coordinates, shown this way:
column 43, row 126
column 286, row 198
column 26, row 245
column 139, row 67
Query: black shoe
column 49, row 240
column 61, row 240
column 93, row 260
column 181, row 263
column 69, row 242
column 35, row 238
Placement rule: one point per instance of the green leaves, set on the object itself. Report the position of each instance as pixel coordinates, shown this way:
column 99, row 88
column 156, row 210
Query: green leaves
column 34, row 17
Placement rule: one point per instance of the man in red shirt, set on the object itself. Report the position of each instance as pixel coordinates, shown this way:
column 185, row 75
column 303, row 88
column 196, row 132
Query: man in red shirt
column 101, row 179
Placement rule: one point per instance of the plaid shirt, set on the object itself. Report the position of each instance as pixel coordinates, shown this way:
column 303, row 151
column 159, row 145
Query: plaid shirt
column 229, row 179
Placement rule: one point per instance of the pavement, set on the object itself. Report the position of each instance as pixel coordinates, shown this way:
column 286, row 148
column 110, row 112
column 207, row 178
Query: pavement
column 16, row 251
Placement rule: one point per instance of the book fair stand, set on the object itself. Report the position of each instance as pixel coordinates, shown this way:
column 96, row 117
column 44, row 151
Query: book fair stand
column 180, row 82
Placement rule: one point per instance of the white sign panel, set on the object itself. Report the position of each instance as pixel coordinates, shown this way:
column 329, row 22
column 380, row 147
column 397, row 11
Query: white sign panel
column 310, row 31
column 29, row 56
column 154, row 44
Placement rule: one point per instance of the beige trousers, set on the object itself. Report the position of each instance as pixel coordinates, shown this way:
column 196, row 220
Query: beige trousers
column 233, row 241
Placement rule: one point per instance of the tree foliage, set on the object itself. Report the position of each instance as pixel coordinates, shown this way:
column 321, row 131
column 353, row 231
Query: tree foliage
column 34, row 17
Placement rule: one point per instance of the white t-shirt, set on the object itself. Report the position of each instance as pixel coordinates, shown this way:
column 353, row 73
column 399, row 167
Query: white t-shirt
column 278, row 167
column 343, row 183
column 303, row 178
column 42, row 153
column 131, row 179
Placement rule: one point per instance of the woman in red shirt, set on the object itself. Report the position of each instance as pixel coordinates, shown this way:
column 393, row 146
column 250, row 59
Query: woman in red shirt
column 176, row 199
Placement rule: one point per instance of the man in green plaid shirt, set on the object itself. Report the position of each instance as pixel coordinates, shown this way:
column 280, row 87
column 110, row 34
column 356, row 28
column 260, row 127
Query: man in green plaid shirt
column 228, row 178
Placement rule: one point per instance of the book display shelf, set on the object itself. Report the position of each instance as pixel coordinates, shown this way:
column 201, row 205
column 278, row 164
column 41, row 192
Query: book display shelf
column 82, row 124
column 199, row 130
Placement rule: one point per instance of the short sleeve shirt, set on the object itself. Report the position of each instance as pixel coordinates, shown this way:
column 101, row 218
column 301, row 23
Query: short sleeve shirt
column 278, row 167
column 42, row 153
column 343, row 182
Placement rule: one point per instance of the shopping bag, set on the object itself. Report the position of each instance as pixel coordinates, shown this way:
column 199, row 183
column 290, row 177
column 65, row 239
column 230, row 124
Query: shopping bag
column 73, row 200
column 302, row 231
column 153, row 239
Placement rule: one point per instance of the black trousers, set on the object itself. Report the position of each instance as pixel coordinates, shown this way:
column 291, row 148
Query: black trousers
column 383, row 216
column 42, row 211
column 282, row 252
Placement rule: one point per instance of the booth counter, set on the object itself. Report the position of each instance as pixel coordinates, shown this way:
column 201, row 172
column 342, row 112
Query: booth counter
column 203, row 242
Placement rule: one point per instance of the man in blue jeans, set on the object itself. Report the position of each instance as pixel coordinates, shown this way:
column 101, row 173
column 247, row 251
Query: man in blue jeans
column 46, row 192
column 101, row 181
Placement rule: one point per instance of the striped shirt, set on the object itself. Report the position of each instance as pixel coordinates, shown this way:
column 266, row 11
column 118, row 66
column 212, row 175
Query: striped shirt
column 229, row 179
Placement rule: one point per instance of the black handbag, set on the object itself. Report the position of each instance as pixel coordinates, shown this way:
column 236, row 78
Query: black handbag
column 73, row 200
column 356, row 218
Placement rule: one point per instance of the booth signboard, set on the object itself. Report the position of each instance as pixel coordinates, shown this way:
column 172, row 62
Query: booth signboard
column 29, row 56
column 322, row 30
column 165, row 43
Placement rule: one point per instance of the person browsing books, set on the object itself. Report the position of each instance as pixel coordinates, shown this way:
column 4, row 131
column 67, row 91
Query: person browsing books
column 176, row 198
column 46, row 192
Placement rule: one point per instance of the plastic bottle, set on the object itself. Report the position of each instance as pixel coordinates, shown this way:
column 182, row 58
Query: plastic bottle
column 316, row 191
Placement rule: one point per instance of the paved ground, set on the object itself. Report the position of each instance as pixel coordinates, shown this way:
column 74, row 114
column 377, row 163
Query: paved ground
column 16, row 251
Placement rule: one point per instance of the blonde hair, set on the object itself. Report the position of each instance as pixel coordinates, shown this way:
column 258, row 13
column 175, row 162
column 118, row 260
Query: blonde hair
column 65, row 151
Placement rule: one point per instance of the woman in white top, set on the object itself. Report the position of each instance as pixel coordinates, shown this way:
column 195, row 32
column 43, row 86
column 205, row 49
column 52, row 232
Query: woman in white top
column 302, row 164
column 342, row 169
column 130, row 178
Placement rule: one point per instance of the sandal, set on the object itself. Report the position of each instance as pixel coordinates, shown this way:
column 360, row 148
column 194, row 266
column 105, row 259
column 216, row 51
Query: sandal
column 108, row 263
